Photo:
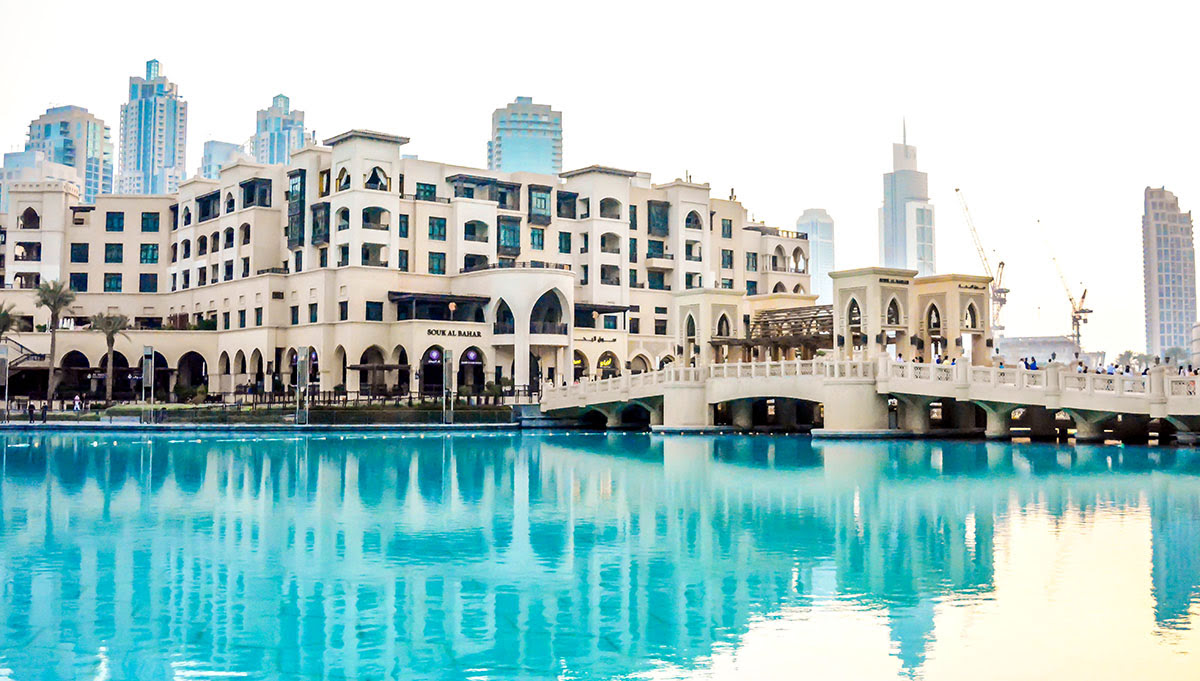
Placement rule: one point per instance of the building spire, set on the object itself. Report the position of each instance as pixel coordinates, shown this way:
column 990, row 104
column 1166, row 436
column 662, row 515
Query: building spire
column 903, row 131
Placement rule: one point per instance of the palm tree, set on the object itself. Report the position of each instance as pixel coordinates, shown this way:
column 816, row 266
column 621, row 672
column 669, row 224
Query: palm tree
column 1175, row 355
column 111, row 325
column 55, row 296
column 8, row 322
column 1125, row 357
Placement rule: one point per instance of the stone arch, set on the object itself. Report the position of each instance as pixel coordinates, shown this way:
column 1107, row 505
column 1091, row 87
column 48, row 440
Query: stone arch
column 635, row 415
column 610, row 208
column 971, row 318
column 121, row 381
column 30, row 219
column 378, row 180
column 894, row 315
column 724, row 329
column 640, row 364
column 799, row 260
column 779, row 288
column 608, row 365
column 472, row 374
column 403, row 374
column 580, row 364
column 375, row 217
column 693, row 221
column 503, row 318
column 239, row 362
column 610, row 242
column 779, row 259
column 372, row 377
column 933, row 319
column 666, row 361
column 256, row 369
column 339, row 363
column 548, row 313
column 798, row 288
column 73, row 375
column 191, row 370
column 432, row 371
column 343, row 179
column 475, row 230
column 223, row 363
column 230, row 204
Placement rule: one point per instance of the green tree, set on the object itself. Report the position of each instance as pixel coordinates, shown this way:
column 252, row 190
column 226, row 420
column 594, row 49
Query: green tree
column 1126, row 357
column 1175, row 355
column 8, row 320
column 111, row 325
column 55, row 296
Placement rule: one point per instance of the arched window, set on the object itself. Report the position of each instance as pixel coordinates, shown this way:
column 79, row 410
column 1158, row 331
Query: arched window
column 378, row 180
column 343, row 219
column 201, row 245
column 174, row 252
column 972, row 318
column 693, row 221
column 547, row 314
column 475, row 230
column 797, row 289
column 779, row 260
column 799, row 261
column 187, row 249
column 723, row 327
column 610, row 208
column 187, row 216
column 854, row 314
column 245, row 234
column 228, row 237
column 893, row 313
column 691, row 326
column 504, row 318
column 933, row 320
column 779, row 288
column 30, row 219
column 666, row 362
column 374, row 217
column 215, row 240
column 229, row 203
column 608, row 365
column 610, row 243
column 343, row 180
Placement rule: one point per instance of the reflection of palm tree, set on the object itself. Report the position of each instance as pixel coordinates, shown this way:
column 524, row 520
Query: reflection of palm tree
column 110, row 325
column 55, row 296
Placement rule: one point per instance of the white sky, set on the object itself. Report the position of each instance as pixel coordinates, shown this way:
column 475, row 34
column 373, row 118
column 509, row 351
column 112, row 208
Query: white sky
column 1062, row 112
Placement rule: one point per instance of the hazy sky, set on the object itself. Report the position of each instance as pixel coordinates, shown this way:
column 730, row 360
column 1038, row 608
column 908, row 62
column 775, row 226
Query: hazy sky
column 1060, row 112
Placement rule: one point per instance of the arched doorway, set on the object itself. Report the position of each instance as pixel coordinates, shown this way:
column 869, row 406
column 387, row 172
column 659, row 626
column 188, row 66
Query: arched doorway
column 470, row 371
column 432, row 372
column 639, row 365
column 608, row 366
column 74, row 377
column 581, row 365
column 371, row 377
column 122, row 386
column 403, row 370
column 192, row 374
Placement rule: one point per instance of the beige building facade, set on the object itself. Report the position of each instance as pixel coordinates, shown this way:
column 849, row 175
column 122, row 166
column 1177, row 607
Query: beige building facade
column 386, row 266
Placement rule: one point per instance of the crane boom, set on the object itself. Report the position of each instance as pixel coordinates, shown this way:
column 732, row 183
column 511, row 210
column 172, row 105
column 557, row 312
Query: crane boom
column 1079, row 312
column 987, row 267
column 999, row 294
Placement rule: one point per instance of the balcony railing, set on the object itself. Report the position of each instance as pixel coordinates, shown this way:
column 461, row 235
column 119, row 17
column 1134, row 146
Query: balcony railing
column 503, row 265
column 788, row 270
column 432, row 199
column 693, row 257
column 274, row 270
column 556, row 328
column 480, row 238
column 663, row 287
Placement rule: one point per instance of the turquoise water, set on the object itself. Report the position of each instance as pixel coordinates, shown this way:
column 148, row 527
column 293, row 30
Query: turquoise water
column 583, row 556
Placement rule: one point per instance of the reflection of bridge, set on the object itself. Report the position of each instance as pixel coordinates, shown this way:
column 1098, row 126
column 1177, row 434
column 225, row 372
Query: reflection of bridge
column 590, row 556
column 854, row 395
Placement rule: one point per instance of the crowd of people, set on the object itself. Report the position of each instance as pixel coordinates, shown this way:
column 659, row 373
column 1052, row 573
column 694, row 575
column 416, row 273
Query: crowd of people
column 1078, row 366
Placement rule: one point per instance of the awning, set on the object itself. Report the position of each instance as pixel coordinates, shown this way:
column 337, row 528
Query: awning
column 377, row 367
column 407, row 297
column 600, row 308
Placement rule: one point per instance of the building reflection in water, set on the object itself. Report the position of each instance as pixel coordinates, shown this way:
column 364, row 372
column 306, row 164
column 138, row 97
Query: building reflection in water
column 518, row 556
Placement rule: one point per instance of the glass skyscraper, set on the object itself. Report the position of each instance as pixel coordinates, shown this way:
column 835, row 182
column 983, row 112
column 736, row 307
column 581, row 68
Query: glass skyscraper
column 1169, row 269
column 819, row 226
column 153, row 135
column 278, row 132
column 526, row 137
column 906, row 218
column 217, row 154
column 73, row 137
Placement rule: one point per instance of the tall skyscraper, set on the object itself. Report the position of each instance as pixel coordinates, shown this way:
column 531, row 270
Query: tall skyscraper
column 278, row 132
column 217, row 154
column 906, row 218
column 153, row 135
column 71, row 136
column 819, row 227
column 1169, row 270
column 526, row 137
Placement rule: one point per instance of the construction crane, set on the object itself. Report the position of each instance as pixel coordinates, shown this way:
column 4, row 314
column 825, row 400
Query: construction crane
column 1079, row 312
column 999, row 294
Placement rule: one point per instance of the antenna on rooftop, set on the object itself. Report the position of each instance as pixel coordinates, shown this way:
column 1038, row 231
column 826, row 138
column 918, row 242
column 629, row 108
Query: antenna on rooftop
column 904, row 131
column 732, row 195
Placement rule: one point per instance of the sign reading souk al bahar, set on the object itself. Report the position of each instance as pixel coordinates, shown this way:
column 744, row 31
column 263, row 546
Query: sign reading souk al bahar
column 457, row 333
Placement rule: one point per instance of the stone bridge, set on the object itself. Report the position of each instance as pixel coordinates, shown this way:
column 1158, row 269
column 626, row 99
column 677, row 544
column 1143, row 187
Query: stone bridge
column 854, row 396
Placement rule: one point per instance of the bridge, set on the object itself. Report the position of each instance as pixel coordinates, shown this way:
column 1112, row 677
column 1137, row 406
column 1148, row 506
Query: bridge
column 854, row 396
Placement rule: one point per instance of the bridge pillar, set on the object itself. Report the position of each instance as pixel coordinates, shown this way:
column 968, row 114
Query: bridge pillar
column 613, row 417
column 914, row 413
column 854, row 406
column 1089, row 425
column 742, row 412
column 685, row 406
column 999, row 420
column 785, row 413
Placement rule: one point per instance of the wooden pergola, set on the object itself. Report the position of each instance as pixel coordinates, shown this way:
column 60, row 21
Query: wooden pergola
column 802, row 329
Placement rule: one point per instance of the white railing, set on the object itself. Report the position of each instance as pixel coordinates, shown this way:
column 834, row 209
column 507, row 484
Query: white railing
column 1184, row 386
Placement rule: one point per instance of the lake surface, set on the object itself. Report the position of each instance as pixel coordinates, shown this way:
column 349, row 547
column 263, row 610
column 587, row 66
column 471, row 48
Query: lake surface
column 594, row 556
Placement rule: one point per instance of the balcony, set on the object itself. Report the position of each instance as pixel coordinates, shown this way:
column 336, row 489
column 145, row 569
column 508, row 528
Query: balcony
column 660, row 287
column 693, row 257
column 555, row 328
column 788, row 270
column 509, row 251
column 660, row 261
